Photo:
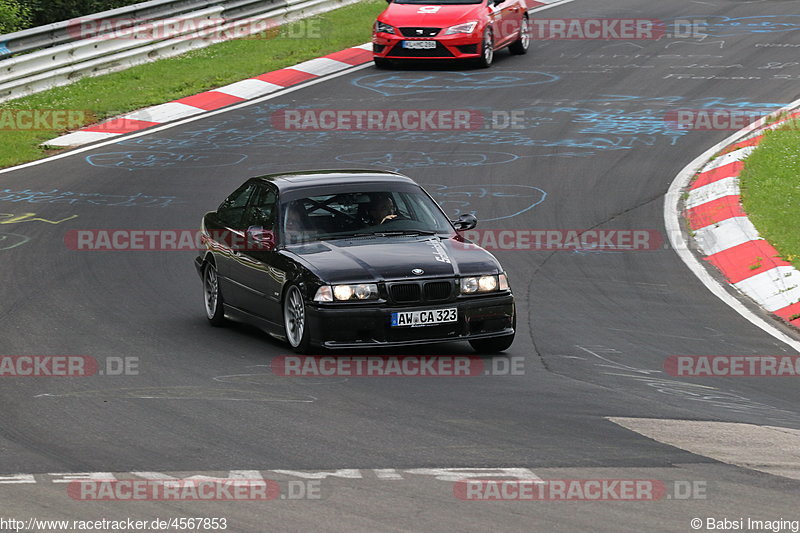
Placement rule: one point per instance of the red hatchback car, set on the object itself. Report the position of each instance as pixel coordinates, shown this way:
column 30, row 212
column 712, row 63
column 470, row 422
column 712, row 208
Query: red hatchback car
column 450, row 29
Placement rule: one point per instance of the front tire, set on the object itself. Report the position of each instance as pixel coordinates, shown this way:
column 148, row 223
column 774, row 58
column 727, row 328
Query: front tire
column 294, row 320
column 214, row 303
column 521, row 45
column 487, row 49
column 381, row 63
column 492, row 345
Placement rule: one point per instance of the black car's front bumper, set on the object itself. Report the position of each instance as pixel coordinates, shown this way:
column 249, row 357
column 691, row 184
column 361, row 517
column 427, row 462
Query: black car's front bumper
column 341, row 326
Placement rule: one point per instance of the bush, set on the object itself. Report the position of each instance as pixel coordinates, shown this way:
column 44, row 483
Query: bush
column 47, row 11
column 14, row 16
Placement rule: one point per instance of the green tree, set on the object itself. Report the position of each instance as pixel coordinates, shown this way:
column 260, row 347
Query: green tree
column 47, row 11
column 14, row 16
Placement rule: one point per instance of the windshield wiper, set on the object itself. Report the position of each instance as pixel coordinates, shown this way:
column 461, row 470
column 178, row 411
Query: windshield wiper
column 400, row 232
column 394, row 233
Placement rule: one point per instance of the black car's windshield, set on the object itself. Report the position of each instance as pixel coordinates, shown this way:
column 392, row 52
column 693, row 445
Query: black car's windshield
column 356, row 214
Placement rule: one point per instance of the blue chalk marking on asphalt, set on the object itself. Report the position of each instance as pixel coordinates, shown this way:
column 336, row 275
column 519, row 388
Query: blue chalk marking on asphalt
column 606, row 122
column 665, row 101
column 722, row 26
column 399, row 84
column 450, row 194
column 56, row 196
column 157, row 160
column 401, row 160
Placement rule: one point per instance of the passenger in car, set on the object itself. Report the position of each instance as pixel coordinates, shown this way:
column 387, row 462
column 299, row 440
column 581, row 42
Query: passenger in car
column 297, row 228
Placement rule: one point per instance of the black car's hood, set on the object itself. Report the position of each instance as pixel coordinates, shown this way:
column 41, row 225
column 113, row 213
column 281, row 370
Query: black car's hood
column 392, row 258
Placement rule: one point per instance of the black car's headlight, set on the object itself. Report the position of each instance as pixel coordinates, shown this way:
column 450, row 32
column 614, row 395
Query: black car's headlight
column 345, row 293
column 484, row 284
column 382, row 27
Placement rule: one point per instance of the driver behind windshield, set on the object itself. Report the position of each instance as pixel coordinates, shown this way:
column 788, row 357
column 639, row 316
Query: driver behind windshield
column 381, row 209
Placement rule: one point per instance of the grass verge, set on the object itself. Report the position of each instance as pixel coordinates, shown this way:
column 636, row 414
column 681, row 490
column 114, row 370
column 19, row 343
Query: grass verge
column 201, row 70
column 770, row 185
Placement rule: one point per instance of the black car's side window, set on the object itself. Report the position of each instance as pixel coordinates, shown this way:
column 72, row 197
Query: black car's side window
column 231, row 211
column 261, row 209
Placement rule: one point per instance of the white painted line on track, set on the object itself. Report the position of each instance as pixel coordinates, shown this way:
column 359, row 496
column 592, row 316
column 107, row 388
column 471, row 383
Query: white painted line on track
column 550, row 6
column 450, row 474
column 774, row 450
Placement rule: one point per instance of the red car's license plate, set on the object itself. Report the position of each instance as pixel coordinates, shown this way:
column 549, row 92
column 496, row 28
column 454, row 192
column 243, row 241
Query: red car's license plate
column 419, row 45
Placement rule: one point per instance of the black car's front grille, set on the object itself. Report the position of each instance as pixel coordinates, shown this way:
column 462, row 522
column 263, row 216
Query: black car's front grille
column 420, row 32
column 438, row 290
column 418, row 292
column 439, row 51
column 405, row 292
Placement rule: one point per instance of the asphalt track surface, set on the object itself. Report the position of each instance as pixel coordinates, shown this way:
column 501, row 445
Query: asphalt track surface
column 590, row 324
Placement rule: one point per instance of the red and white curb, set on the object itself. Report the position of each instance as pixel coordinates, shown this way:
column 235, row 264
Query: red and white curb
column 729, row 240
column 218, row 98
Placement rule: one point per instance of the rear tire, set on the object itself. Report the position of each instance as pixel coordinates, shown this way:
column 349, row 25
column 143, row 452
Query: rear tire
column 492, row 345
column 521, row 45
column 214, row 303
column 487, row 49
column 294, row 320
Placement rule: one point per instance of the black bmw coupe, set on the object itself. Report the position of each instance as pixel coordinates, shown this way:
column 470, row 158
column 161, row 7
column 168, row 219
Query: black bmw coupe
column 351, row 259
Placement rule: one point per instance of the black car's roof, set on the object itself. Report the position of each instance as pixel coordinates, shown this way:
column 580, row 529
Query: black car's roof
column 288, row 181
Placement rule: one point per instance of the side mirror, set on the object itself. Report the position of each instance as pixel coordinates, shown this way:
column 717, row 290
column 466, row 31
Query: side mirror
column 260, row 239
column 465, row 222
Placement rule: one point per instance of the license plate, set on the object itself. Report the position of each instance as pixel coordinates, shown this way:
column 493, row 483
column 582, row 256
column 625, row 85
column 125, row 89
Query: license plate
column 424, row 318
column 419, row 45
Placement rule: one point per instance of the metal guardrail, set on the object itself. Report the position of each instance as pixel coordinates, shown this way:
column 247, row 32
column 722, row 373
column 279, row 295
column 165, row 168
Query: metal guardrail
column 64, row 52
column 59, row 32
